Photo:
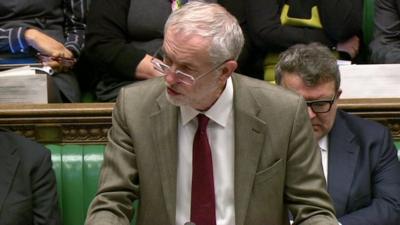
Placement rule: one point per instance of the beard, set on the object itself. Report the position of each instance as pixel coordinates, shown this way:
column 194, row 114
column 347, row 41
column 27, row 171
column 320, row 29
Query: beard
column 175, row 100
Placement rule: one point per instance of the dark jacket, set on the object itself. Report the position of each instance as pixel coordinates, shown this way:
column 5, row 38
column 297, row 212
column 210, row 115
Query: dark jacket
column 363, row 172
column 28, row 192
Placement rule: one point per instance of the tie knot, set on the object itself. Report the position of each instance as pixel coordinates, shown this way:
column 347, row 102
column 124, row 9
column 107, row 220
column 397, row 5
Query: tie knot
column 203, row 121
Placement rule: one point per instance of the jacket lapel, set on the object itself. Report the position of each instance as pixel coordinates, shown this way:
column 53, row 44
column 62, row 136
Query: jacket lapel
column 7, row 171
column 249, row 139
column 342, row 160
column 165, row 136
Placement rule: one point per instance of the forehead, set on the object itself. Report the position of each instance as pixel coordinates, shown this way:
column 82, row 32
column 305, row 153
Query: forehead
column 184, row 45
column 322, row 90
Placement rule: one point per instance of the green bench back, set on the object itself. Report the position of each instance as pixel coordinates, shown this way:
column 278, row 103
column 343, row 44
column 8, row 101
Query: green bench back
column 368, row 20
column 77, row 170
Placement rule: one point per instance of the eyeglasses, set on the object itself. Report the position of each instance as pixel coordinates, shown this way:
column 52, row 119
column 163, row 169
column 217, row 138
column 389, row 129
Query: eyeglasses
column 321, row 106
column 182, row 77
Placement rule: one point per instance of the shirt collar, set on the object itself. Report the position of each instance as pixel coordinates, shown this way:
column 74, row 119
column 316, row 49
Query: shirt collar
column 323, row 143
column 219, row 112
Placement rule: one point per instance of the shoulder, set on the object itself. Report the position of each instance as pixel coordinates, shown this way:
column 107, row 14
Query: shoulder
column 360, row 125
column 141, row 95
column 26, row 149
column 366, row 132
column 270, row 103
column 143, row 90
column 264, row 91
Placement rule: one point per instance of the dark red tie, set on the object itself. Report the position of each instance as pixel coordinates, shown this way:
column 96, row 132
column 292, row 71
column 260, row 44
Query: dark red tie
column 203, row 195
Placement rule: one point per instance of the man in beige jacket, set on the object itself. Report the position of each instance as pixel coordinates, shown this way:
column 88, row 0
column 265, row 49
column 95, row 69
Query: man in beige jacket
column 263, row 156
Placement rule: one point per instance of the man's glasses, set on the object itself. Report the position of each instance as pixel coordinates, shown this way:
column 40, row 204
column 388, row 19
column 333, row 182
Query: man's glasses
column 321, row 106
column 182, row 77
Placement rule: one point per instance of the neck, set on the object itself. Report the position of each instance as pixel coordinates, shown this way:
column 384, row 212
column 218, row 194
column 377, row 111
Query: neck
column 207, row 102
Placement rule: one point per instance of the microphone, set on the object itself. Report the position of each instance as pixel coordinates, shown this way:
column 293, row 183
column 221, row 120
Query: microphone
column 189, row 223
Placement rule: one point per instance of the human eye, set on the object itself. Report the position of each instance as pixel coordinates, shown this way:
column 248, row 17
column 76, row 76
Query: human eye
column 167, row 61
column 187, row 69
column 320, row 103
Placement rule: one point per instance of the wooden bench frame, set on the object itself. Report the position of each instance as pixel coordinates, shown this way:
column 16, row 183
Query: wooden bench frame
column 80, row 123
column 87, row 123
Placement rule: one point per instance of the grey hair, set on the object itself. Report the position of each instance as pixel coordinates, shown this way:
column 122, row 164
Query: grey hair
column 314, row 64
column 209, row 20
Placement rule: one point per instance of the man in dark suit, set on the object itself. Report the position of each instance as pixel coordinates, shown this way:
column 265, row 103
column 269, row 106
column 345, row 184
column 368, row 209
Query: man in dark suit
column 28, row 192
column 358, row 156
column 255, row 160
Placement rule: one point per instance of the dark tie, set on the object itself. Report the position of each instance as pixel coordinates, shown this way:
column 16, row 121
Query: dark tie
column 203, row 195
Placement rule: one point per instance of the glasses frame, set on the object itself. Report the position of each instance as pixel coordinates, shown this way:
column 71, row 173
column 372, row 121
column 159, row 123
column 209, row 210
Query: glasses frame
column 313, row 102
column 164, row 69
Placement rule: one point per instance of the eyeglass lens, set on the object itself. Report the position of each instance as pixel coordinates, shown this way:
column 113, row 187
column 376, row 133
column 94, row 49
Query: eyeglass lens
column 165, row 69
column 321, row 106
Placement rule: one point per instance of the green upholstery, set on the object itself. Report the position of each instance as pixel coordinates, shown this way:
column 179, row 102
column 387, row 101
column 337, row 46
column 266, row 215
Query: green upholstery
column 88, row 97
column 368, row 20
column 77, row 170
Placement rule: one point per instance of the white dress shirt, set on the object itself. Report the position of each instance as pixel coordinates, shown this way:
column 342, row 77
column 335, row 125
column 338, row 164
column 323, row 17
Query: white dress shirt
column 220, row 132
column 323, row 146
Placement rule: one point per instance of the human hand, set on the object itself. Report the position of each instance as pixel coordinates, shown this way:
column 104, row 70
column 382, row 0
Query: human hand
column 145, row 69
column 351, row 46
column 50, row 50
column 57, row 63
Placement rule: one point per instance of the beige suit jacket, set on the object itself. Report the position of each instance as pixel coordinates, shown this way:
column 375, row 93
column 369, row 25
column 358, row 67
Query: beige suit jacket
column 276, row 163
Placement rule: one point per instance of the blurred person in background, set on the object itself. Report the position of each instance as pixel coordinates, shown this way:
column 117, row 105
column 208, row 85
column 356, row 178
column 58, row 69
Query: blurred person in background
column 122, row 36
column 385, row 47
column 275, row 25
column 52, row 31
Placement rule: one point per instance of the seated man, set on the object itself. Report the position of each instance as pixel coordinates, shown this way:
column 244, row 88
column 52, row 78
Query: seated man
column 206, row 145
column 28, row 192
column 359, row 157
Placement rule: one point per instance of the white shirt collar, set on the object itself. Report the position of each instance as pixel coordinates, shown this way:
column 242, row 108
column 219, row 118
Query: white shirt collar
column 219, row 112
column 323, row 143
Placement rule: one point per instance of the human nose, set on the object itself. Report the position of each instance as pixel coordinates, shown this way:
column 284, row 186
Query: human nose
column 170, row 77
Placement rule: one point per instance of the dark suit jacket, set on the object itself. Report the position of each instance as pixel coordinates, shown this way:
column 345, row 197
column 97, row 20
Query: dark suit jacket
column 274, row 150
column 363, row 172
column 28, row 194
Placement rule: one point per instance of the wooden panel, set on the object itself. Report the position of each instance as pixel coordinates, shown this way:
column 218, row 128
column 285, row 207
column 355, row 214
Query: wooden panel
column 385, row 111
column 59, row 123
column 88, row 122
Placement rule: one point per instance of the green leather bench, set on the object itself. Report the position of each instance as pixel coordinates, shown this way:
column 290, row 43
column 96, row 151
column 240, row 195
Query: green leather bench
column 368, row 20
column 77, row 170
